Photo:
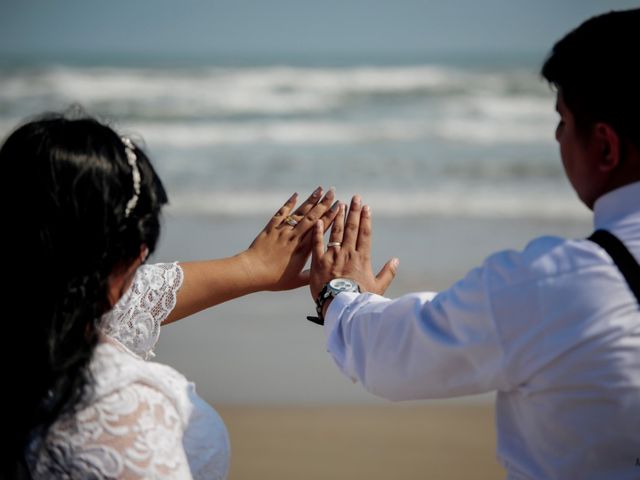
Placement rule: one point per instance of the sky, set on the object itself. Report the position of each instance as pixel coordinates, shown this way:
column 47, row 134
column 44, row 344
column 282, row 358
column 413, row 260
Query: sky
column 175, row 28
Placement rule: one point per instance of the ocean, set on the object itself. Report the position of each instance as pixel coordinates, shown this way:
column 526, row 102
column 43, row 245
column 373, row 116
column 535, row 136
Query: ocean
column 438, row 137
column 456, row 158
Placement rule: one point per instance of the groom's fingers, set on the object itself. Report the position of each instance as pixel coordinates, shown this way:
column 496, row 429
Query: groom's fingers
column 337, row 229
column 387, row 274
column 364, row 232
column 352, row 224
column 317, row 248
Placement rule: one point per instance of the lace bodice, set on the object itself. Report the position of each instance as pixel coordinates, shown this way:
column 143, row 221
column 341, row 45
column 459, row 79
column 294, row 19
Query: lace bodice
column 145, row 420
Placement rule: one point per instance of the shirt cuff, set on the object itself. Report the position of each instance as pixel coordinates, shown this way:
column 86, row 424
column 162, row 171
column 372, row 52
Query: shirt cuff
column 339, row 313
column 341, row 304
column 337, row 306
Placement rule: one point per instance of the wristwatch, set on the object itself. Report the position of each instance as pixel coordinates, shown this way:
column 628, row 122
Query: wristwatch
column 330, row 290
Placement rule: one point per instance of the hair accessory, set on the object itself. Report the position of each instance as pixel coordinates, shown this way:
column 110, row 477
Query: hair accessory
column 135, row 172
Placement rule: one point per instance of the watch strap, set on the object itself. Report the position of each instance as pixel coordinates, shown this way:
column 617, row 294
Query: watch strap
column 320, row 301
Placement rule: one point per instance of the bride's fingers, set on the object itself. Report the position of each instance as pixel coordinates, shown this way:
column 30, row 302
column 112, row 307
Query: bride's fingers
column 303, row 278
column 292, row 219
column 326, row 219
column 330, row 215
column 308, row 204
column 282, row 212
column 315, row 214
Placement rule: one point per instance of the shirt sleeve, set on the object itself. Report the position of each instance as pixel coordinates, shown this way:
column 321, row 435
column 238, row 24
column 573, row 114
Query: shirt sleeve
column 136, row 319
column 421, row 345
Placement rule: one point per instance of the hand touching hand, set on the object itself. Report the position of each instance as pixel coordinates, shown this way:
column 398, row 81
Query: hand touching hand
column 350, row 255
column 278, row 254
column 274, row 261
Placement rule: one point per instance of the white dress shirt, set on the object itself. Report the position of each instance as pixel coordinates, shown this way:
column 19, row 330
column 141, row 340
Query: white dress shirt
column 554, row 329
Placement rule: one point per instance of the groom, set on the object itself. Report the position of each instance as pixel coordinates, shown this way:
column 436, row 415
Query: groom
column 554, row 329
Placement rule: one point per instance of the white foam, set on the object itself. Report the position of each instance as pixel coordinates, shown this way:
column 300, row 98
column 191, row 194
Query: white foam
column 485, row 130
column 268, row 90
column 281, row 132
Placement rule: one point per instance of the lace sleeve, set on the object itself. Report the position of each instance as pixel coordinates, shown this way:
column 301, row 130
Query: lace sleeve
column 135, row 320
column 131, row 434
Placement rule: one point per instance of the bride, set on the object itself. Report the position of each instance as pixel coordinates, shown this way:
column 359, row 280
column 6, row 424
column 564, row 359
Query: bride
column 85, row 403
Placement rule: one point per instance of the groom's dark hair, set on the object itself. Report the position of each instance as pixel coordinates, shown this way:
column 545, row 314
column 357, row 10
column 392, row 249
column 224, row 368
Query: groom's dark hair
column 596, row 68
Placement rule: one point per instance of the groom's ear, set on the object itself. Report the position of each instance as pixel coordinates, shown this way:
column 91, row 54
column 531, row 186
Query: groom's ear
column 607, row 144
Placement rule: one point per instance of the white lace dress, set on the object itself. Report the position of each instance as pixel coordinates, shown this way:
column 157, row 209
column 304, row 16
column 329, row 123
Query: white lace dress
column 146, row 420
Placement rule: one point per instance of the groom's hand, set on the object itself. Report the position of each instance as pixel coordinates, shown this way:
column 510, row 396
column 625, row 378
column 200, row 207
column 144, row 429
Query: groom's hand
column 348, row 253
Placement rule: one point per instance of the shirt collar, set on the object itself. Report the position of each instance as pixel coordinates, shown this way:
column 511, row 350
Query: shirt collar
column 616, row 205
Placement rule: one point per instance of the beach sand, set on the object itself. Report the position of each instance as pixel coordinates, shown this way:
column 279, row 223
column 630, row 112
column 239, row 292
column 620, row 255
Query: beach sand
column 290, row 412
column 362, row 442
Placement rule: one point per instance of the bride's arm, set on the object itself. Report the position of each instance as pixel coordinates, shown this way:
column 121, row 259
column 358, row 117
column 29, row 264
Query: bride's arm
column 274, row 261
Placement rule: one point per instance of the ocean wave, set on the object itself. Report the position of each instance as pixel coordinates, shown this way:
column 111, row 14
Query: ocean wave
column 486, row 131
column 210, row 92
column 280, row 132
column 401, row 128
column 484, row 202
column 322, row 132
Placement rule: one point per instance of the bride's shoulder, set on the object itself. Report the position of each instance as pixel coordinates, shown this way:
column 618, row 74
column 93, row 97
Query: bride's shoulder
column 134, row 431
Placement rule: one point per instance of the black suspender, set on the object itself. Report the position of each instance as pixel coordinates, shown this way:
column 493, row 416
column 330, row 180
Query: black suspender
column 621, row 257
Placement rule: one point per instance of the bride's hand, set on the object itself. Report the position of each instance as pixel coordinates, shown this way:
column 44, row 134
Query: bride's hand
column 277, row 256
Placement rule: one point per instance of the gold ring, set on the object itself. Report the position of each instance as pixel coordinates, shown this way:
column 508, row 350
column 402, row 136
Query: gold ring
column 289, row 220
column 334, row 244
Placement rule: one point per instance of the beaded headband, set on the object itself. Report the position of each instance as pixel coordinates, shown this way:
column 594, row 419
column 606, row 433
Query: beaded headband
column 132, row 159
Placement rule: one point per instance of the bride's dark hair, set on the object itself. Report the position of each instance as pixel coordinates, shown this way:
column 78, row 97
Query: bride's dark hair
column 66, row 185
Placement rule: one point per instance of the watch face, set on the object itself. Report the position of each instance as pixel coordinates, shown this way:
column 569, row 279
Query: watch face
column 343, row 285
